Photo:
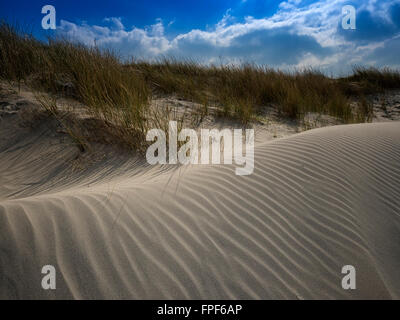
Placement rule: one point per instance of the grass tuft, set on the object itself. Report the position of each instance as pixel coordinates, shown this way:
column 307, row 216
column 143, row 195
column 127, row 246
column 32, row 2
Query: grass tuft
column 119, row 93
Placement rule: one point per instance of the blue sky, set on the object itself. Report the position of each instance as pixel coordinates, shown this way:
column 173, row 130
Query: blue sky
column 282, row 34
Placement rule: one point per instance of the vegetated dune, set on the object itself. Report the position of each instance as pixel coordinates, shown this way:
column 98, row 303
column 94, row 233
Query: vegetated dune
column 119, row 228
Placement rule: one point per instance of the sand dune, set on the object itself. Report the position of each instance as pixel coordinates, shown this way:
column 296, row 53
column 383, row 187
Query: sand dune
column 119, row 228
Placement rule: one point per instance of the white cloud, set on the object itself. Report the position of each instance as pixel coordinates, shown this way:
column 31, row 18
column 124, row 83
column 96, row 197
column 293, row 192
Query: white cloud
column 296, row 35
column 116, row 22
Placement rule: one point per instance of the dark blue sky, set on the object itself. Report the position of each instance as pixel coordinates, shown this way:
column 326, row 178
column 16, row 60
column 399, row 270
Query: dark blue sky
column 186, row 14
column 282, row 34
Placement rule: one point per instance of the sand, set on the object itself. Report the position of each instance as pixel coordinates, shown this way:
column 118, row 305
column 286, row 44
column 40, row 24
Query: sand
column 119, row 228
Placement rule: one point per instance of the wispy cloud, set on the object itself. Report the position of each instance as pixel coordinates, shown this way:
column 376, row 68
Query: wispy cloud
column 296, row 35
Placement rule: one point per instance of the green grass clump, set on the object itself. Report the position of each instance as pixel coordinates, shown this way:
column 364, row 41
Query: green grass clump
column 375, row 79
column 118, row 96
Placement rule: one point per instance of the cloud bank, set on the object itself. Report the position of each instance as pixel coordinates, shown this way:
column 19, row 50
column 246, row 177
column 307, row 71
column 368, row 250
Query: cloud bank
column 297, row 35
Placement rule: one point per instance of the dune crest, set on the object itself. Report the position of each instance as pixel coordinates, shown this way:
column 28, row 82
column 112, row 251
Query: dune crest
column 316, row 201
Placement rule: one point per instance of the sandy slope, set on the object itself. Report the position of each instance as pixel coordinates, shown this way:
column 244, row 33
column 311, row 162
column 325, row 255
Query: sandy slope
column 316, row 201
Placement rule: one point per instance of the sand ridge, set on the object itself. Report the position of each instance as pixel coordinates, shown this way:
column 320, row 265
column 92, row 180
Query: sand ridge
column 316, row 201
